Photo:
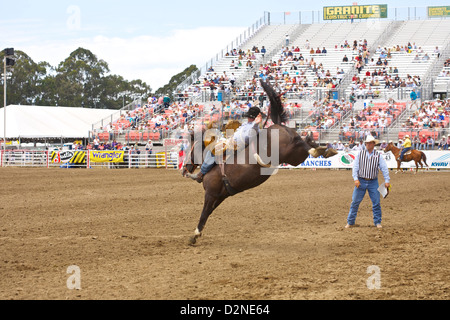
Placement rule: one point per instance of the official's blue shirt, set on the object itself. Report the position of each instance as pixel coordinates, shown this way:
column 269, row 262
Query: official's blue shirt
column 383, row 165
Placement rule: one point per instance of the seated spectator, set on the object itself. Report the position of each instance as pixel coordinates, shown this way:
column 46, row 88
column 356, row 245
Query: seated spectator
column 430, row 143
column 443, row 144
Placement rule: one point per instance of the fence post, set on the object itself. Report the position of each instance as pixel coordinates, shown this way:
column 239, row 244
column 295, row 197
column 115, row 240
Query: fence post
column 129, row 159
column 48, row 158
column 165, row 155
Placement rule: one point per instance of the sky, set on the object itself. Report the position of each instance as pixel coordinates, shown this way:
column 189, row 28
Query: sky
column 147, row 40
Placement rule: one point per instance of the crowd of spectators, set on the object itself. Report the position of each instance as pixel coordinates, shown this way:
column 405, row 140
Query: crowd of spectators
column 294, row 70
column 152, row 117
column 430, row 114
column 379, row 74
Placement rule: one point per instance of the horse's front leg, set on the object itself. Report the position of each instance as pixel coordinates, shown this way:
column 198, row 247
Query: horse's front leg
column 398, row 167
column 211, row 203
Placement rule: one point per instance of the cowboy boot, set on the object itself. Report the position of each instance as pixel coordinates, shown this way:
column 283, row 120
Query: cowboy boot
column 198, row 177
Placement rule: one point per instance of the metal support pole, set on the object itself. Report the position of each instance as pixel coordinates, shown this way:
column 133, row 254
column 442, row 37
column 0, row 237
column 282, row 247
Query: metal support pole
column 4, row 105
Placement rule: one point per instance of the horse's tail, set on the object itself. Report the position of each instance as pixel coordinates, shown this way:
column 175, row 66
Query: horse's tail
column 424, row 158
column 277, row 112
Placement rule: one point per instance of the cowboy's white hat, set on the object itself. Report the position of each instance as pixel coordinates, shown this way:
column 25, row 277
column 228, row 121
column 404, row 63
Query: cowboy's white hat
column 371, row 139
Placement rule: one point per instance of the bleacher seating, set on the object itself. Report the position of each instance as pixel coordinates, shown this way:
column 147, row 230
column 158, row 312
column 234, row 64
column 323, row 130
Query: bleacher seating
column 411, row 49
column 300, row 70
column 442, row 82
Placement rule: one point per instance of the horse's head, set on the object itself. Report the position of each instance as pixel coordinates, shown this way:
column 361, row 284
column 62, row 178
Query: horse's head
column 389, row 147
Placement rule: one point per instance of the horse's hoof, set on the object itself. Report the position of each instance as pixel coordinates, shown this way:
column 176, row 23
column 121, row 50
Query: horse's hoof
column 192, row 240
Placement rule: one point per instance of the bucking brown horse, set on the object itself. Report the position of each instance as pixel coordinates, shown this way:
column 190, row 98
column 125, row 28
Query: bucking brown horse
column 413, row 154
column 231, row 177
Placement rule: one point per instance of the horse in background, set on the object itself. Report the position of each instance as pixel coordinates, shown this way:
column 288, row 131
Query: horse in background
column 412, row 155
column 230, row 178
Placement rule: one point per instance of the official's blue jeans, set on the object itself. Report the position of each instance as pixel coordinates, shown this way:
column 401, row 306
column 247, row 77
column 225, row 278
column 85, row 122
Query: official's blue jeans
column 405, row 150
column 208, row 163
column 371, row 186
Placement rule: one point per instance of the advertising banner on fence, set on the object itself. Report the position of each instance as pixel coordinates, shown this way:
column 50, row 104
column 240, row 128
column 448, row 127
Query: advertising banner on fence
column 355, row 12
column 439, row 11
column 345, row 160
column 74, row 157
column 106, row 156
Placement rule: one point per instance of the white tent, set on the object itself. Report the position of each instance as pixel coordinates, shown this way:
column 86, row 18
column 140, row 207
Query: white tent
column 50, row 122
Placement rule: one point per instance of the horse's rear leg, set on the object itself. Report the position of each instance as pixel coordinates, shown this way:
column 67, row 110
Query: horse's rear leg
column 211, row 203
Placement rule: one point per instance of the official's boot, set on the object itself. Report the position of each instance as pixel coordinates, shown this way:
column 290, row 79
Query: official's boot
column 198, row 177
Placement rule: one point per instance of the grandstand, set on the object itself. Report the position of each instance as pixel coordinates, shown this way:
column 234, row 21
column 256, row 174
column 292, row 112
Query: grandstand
column 340, row 79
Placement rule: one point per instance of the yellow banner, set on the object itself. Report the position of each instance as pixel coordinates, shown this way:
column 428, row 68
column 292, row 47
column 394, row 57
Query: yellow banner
column 355, row 12
column 439, row 11
column 106, row 156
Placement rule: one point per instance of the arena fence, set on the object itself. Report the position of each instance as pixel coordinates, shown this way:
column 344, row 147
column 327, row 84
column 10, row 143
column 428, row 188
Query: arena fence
column 173, row 160
column 171, row 157
column 90, row 159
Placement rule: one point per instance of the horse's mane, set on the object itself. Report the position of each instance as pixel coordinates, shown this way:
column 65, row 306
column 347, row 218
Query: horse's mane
column 277, row 111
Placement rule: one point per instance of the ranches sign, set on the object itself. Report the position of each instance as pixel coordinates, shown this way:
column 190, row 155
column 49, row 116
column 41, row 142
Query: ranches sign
column 357, row 12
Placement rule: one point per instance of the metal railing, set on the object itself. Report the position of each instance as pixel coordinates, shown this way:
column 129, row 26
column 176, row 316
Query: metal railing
column 433, row 71
column 239, row 41
column 131, row 159
column 322, row 136
column 316, row 16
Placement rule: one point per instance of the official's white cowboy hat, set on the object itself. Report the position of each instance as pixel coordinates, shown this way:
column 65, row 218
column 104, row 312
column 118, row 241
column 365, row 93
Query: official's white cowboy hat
column 406, row 136
column 371, row 139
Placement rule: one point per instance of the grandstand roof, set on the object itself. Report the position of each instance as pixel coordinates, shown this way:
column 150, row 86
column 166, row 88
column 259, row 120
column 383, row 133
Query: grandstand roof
column 49, row 122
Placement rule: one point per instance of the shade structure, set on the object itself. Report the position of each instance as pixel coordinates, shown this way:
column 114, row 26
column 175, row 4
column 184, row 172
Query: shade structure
column 38, row 122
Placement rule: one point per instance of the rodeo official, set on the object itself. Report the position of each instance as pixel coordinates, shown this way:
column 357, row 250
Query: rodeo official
column 365, row 175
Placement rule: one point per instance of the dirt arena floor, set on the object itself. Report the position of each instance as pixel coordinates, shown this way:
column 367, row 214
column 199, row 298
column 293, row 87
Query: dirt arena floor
column 127, row 232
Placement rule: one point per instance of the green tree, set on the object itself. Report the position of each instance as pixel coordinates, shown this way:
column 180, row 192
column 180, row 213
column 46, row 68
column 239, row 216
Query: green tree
column 175, row 81
column 79, row 79
column 24, row 86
